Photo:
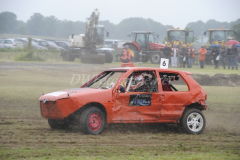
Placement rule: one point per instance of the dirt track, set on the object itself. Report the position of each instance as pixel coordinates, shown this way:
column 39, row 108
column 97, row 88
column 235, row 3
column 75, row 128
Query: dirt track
column 66, row 70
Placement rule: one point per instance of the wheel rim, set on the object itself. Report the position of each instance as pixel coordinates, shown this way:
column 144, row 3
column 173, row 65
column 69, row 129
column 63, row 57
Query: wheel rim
column 95, row 121
column 195, row 122
column 155, row 58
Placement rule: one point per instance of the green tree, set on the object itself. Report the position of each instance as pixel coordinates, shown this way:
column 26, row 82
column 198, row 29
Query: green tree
column 50, row 27
column 8, row 22
column 236, row 27
column 126, row 26
column 3, row 25
column 66, row 28
column 35, row 24
column 22, row 27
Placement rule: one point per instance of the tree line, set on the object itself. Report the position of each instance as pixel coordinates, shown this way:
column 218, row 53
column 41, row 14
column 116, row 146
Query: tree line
column 50, row 26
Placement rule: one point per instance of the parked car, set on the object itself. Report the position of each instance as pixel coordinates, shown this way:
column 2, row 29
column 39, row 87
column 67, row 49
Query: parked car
column 34, row 44
column 48, row 44
column 62, row 44
column 36, row 40
column 11, row 43
column 129, row 95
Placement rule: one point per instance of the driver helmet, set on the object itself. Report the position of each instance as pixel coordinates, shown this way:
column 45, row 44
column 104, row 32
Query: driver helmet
column 138, row 81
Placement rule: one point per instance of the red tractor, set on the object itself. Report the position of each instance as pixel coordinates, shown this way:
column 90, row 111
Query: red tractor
column 145, row 42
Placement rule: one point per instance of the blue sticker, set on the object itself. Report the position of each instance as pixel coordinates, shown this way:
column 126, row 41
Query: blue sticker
column 140, row 100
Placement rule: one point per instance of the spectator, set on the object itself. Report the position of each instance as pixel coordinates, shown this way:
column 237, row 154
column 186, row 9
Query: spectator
column 174, row 54
column 167, row 51
column 229, row 55
column 127, row 57
column 223, row 57
column 216, row 57
column 191, row 54
column 202, row 52
column 182, row 56
column 234, row 56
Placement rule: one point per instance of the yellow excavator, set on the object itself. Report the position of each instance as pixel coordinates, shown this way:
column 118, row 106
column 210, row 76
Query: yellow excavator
column 179, row 37
column 219, row 36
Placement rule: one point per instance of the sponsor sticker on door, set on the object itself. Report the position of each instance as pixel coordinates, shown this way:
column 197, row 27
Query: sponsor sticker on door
column 140, row 100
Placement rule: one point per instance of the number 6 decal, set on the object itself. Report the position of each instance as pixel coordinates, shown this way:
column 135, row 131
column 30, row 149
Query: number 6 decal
column 164, row 63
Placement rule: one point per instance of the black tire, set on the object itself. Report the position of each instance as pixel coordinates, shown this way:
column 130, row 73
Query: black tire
column 67, row 57
column 97, row 116
column 108, row 57
column 156, row 57
column 191, row 114
column 58, row 124
column 145, row 59
column 135, row 53
column 93, row 58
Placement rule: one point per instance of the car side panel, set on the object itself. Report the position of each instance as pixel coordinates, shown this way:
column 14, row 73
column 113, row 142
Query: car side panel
column 174, row 102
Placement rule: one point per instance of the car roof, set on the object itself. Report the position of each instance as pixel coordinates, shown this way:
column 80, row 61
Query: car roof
column 9, row 39
column 148, row 68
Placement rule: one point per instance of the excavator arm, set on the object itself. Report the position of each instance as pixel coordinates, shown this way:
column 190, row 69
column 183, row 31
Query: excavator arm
column 91, row 29
column 85, row 44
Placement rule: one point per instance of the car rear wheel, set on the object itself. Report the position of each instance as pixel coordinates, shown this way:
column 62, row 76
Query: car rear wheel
column 193, row 121
column 92, row 121
column 58, row 124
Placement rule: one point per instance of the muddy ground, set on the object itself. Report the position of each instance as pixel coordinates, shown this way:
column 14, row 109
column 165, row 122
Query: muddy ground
column 24, row 133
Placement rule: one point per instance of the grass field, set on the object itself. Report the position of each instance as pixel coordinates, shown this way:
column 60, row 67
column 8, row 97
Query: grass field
column 24, row 134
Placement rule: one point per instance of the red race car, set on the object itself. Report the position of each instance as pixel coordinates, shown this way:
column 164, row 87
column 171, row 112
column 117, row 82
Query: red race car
column 129, row 95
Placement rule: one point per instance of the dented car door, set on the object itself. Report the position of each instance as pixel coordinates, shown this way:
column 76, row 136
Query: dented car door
column 136, row 106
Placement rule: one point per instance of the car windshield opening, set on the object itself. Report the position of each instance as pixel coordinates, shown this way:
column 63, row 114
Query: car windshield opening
column 106, row 80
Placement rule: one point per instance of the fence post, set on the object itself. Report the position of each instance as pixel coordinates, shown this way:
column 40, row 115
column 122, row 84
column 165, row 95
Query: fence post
column 29, row 42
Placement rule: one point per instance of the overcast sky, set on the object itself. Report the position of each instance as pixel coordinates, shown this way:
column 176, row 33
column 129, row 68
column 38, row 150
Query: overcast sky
column 168, row 12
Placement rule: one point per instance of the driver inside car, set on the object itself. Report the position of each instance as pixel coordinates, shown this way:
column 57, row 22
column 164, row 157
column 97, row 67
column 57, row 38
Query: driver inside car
column 139, row 84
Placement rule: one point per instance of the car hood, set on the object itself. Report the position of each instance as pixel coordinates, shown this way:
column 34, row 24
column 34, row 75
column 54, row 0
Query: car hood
column 69, row 93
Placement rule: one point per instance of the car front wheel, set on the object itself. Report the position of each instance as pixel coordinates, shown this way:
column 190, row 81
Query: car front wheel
column 92, row 121
column 193, row 121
